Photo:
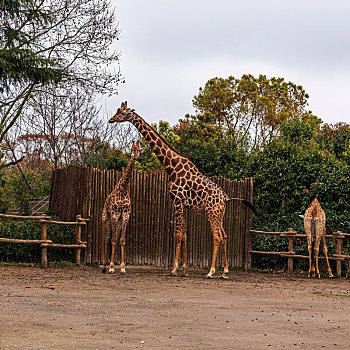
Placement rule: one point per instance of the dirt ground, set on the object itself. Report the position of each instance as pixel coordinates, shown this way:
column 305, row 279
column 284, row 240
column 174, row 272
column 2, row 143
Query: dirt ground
column 81, row 308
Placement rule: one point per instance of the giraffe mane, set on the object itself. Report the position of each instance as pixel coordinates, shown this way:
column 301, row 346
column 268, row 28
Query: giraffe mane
column 165, row 141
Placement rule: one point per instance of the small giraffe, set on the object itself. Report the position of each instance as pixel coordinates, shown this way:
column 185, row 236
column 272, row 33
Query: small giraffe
column 116, row 213
column 315, row 223
column 188, row 188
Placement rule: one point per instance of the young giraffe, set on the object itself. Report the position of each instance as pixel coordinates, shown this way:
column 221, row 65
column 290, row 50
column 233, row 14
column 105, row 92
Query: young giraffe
column 315, row 222
column 116, row 213
column 188, row 188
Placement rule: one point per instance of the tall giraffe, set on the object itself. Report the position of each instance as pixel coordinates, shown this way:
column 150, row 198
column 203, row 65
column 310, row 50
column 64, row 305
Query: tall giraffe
column 315, row 223
column 116, row 213
column 188, row 188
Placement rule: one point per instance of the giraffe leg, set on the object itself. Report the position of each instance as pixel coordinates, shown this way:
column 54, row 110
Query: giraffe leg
column 224, row 254
column 325, row 250
column 318, row 235
column 308, row 232
column 125, row 220
column 184, row 253
column 215, row 253
column 180, row 233
column 116, row 225
column 215, row 216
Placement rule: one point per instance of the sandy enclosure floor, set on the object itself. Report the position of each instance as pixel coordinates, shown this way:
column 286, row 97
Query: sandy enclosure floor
column 81, row 308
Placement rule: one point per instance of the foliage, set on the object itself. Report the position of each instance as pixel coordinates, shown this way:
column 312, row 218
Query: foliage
column 209, row 146
column 335, row 139
column 17, row 193
column 101, row 155
column 251, row 108
column 288, row 174
column 19, row 61
column 147, row 159
column 287, row 177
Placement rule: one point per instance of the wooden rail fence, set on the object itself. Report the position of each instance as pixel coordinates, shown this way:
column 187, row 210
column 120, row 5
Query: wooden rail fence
column 150, row 237
column 44, row 242
column 291, row 255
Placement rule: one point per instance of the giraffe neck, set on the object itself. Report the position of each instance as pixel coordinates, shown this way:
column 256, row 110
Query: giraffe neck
column 125, row 179
column 167, row 155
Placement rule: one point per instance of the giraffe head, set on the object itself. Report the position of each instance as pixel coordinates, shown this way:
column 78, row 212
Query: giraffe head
column 124, row 114
column 135, row 149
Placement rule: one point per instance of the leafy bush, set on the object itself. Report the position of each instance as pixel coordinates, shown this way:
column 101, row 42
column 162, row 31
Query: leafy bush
column 15, row 189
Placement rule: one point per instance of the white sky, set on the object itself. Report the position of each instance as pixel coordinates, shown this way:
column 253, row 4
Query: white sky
column 170, row 48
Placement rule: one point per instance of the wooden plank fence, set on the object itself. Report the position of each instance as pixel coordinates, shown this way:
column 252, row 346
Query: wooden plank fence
column 150, row 237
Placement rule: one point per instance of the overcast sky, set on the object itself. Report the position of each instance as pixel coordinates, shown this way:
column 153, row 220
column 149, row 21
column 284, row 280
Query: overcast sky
column 171, row 48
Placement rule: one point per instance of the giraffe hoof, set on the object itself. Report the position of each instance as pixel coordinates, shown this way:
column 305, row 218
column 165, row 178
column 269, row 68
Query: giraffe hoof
column 104, row 270
column 209, row 277
column 111, row 272
column 123, row 272
column 173, row 274
column 224, row 276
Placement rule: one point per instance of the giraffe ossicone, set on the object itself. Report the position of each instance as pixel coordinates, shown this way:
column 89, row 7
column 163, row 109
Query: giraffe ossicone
column 188, row 188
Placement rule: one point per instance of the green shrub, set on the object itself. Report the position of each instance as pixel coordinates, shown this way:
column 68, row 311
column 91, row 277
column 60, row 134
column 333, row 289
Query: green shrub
column 31, row 229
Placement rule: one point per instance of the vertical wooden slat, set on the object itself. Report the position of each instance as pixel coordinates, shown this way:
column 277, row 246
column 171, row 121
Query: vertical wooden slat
column 158, row 247
column 160, row 221
column 150, row 207
column 164, row 224
column 138, row 226
column 151, row 204
column 137, row 218
column 95, row 232
column 147, row 219
column 142, row 246
column 131, row 226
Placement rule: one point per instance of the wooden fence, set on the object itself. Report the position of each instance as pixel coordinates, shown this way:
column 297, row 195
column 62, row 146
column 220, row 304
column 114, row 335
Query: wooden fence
column 78, row 245
column 290, row 254
column 150, row 236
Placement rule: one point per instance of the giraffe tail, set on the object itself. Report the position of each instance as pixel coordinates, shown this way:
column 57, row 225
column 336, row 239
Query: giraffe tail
column 247, row 203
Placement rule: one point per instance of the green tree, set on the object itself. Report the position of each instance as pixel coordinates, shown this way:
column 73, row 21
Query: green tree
column 209, row 146
column 251, row 108
column 19, row 62
column 291, row 171
column 148, row 160
column 335, row 139
column 101, row 155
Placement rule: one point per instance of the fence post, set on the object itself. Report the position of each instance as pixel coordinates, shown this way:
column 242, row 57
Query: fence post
column 339, row 239
column 78, row 239
column 43, row 249
column 291, row 249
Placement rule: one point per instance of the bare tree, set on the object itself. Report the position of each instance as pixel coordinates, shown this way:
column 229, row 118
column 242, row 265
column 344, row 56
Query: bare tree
column 66, row 126
column 76, row 37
